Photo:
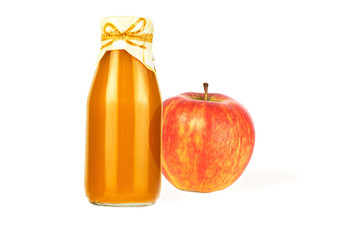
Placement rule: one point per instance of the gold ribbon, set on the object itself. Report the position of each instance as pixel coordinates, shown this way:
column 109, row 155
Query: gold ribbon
column 128, row 35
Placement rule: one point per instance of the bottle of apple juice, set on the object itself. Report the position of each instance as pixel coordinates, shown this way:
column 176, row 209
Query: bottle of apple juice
column 124, row 114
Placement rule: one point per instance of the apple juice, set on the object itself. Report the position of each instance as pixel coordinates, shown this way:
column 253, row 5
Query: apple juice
column 123, row 147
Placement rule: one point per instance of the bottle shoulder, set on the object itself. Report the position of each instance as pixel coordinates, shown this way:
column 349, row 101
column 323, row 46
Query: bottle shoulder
column 120, row 76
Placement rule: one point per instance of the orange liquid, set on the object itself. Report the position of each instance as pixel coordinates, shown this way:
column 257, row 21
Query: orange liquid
column 123, row 132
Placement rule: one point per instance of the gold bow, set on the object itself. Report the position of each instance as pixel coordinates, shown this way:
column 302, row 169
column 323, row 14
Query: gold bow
column 127, row 35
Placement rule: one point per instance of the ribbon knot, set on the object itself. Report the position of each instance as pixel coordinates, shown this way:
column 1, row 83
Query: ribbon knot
column 128, row 35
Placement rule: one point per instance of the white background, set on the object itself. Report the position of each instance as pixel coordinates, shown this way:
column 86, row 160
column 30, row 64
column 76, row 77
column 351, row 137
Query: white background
column 295, row 65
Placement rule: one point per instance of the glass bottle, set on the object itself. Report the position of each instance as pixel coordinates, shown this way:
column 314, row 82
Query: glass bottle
column 124, row 114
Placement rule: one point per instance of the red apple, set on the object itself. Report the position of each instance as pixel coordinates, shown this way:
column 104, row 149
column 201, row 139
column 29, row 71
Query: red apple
column 206, row 144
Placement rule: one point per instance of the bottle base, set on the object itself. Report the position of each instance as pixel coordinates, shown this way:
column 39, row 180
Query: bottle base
column 123, row 204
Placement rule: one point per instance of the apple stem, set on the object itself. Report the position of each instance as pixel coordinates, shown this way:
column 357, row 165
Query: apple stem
column 205, row 86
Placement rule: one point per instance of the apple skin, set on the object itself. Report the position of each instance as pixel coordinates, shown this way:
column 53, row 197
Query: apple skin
column 206, row 145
